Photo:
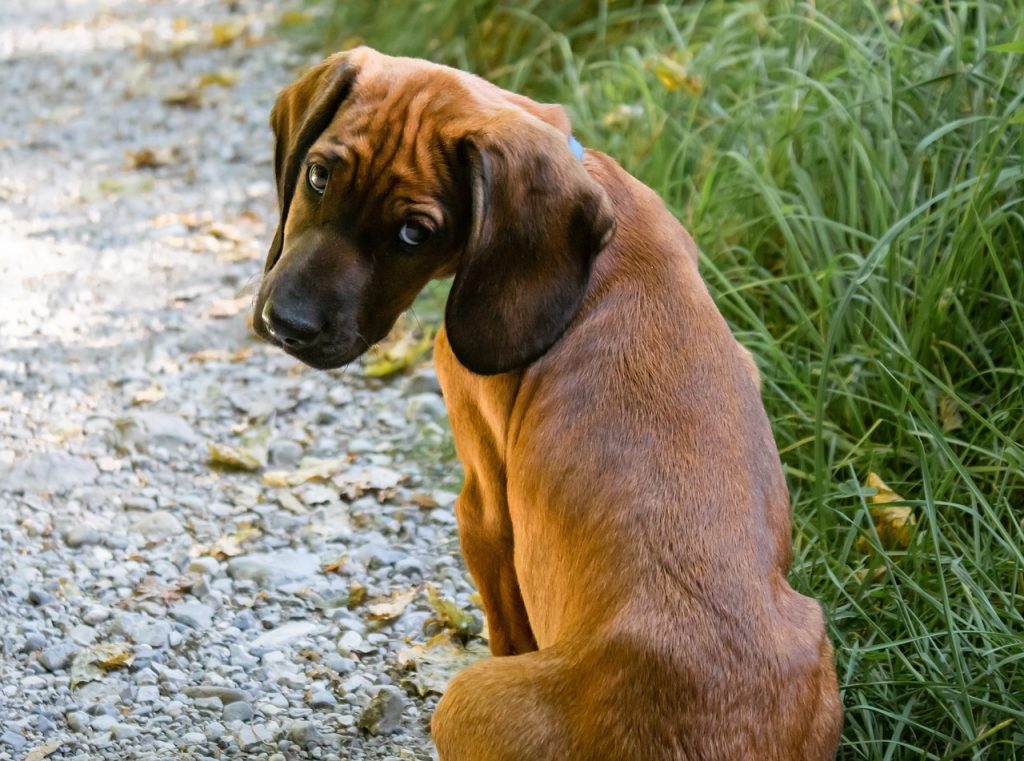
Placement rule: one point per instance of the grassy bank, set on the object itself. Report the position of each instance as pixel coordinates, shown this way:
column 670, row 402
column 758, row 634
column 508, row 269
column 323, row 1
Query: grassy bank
column 853, row 173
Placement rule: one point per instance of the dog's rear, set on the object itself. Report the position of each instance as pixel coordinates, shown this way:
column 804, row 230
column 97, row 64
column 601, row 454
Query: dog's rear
column 650, row 526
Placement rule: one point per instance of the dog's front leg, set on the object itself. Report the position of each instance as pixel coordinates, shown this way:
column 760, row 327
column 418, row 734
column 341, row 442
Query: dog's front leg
column 485, row 532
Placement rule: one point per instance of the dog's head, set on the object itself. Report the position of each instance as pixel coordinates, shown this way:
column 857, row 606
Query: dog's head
column 394, row 171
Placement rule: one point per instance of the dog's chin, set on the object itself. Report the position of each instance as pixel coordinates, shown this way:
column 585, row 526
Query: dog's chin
column 324, row 358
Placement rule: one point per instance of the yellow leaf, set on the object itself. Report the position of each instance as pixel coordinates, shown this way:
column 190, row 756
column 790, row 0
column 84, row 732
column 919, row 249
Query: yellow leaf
column 674, row 76
column 894, row 523
column 224, row 33
column 221, row 78
column 949, row 414
column 234, row 458
column 184, row 98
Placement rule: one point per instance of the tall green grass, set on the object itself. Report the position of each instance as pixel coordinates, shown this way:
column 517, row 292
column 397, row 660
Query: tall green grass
column 853, row 172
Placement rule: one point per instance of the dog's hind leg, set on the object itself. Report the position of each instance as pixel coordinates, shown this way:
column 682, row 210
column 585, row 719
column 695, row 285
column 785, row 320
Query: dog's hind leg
column 503, row 709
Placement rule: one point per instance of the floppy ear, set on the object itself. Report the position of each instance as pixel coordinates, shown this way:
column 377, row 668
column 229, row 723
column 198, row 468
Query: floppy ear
column 538, row 221
column 303, row 110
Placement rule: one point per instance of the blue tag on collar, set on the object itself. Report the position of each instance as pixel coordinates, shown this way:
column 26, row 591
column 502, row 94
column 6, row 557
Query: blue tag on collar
column 576, row 148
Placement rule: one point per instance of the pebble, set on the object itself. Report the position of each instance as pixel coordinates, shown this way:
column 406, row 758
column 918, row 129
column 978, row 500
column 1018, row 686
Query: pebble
column 322, row 699
column 13, row 739
column 193, row 738
column 58, row 657
column 157, row 526
column 194, row 614
column 284, row 635
column 79, row 536
column 238, row 711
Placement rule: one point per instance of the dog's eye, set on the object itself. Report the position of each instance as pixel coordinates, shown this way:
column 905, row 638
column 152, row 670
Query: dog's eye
column 317, row 176
column 414, row 233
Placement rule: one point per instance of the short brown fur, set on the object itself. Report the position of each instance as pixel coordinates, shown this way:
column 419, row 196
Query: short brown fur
column 624, row 512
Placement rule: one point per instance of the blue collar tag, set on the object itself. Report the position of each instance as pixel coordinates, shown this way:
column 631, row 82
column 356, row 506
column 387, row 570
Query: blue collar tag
column 576, row 148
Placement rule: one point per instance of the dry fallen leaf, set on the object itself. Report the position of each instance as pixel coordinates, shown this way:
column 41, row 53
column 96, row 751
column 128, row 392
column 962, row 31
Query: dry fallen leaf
column 92, row 663
column 335, row 566
column 150, row 158
column 149, row 395
column 223, row 308
column 235, row 458
column 310, row 468
column 150, row 589
column 949, row 414
column 434, row 663
column 392, row 607
column 184, row 98
column 45, row 750
column 894, row 523
column 291, row 503
column 220, row 355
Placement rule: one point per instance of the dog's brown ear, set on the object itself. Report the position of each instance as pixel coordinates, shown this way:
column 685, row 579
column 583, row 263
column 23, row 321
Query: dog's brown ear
column 538, row 221
column 303, row 110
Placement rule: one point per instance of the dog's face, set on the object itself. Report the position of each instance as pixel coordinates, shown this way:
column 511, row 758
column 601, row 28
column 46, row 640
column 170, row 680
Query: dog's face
column 393, row 171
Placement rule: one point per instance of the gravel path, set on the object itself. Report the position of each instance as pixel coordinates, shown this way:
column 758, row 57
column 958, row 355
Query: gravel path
column 152, row 604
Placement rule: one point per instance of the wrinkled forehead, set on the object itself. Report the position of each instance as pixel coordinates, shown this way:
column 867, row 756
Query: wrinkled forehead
column 398, row 127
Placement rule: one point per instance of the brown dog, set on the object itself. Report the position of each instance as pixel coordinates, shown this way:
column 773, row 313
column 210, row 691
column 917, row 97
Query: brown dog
column 624, row 511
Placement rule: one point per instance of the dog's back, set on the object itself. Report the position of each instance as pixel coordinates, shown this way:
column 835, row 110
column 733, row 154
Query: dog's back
column 651, row 526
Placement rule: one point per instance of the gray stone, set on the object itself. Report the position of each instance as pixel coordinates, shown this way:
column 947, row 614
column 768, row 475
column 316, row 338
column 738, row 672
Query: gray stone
column 58, row 657
column 204, row 565
column 194, row 614
column 273, row 568
column 39, row 596
column 50, row 472
column 322, row 699
column 193, row 738
column 124, row 732
column 214, row 731
column 77, row 721
column 423, row 381
column 13, row 740
column 147, row 429
column 252, row 736
column 158, row 526
column 284, row 635
column 148, row 693
column 426, row 407
column 383, row 715
column 237, row 711
column 34, row 641
column 103, row 723
column 284, row 453
column 146, row 631
column 79, row 536
column 303, row 733
column 225, row 694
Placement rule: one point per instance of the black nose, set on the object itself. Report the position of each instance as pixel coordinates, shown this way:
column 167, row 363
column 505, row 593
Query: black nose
column 293, row 329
